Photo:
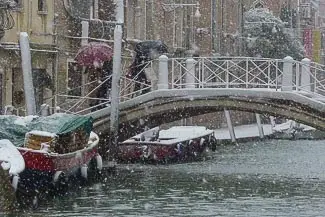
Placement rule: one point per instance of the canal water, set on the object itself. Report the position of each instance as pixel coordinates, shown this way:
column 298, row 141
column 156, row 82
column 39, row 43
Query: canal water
column 271, row 178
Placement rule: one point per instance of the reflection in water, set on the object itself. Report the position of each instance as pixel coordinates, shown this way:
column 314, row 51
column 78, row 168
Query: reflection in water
column 284, row 178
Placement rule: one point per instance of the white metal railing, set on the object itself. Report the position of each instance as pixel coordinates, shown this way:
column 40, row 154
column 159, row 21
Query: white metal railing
column 207, row 72
column 130, row 87
column 247, row 72
column 226, row 72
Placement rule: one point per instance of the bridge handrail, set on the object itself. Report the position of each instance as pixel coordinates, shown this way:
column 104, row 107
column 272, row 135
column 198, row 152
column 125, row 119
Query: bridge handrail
column 206, row 72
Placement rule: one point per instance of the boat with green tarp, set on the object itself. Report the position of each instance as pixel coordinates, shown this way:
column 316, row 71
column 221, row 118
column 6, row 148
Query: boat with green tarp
column 42, row 152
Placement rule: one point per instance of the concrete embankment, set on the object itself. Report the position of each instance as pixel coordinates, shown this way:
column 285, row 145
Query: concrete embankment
column 243, row 133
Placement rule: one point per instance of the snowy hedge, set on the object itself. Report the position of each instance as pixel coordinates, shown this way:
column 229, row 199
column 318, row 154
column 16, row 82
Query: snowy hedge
column 266, row 36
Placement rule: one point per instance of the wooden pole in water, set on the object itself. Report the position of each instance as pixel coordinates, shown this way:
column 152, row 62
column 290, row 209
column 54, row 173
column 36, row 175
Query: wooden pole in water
column 7, row 193
column 27, row 73
column 114, row 116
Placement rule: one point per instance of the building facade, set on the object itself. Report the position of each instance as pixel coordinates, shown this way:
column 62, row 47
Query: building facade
column 188, row 27
column 37, row 18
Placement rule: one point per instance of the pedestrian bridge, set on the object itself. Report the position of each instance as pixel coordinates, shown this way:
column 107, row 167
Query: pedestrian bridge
column 183, row 88
column 163, row 106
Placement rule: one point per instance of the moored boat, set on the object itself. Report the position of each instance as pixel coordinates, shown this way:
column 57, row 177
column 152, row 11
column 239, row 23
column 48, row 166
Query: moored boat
column 176, row 144
column 51, row 149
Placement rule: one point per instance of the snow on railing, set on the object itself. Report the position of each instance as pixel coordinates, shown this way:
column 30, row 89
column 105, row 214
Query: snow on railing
column 309, row 77
column 203, row 72
column 228, row 72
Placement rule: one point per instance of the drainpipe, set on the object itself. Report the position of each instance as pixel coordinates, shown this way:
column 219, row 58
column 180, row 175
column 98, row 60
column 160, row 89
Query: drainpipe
column 240, row 27
column 214, row 25
column 55, row 66
column 221, row 37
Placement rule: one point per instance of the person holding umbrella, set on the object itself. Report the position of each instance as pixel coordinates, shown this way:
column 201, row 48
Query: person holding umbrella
column 97, row 57
column 145, row 52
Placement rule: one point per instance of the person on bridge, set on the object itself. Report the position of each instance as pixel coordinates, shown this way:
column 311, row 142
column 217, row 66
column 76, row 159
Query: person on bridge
column 145, row 52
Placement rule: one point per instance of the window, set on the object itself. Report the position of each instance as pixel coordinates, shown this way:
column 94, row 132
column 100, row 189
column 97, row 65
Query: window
column 41, row 80
column 305, row 10
column 42, row 7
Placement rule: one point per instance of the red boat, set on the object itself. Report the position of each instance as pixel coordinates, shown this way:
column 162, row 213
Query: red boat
column 177, row 144
column 43, row 152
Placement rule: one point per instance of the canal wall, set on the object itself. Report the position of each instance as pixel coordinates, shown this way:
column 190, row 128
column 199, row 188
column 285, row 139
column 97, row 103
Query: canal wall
column 7, row 194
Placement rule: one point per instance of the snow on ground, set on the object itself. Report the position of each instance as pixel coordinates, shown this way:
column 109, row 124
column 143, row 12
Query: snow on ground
column 243, row 131
column 289, row 124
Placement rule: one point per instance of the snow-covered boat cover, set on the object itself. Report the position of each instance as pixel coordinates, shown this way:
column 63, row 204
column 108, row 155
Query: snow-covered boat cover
column 184, row 132
column 11, row 158
column 14, row 128
column 172, row 135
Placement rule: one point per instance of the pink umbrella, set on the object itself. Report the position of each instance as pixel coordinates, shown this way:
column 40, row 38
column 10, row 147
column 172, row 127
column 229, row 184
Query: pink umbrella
column 94, row 54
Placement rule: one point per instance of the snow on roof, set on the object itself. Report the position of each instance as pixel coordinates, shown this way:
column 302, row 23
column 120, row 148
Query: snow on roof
column 11, row 157
column 289, row 124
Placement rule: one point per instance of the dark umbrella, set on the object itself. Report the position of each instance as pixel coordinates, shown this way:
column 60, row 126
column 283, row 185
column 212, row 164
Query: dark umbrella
column 145, row 51
column 149, row 50
column 94, row 54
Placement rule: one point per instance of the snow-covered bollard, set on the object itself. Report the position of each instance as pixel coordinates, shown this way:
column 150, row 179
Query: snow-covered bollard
column 84, row 32
column 287, row 74
column 9, row 110
column 57, row 109
column 45, row 110
column 190, row 73
column 259, row 125
column 230, row 126
column 163, row 72
column 305, row 75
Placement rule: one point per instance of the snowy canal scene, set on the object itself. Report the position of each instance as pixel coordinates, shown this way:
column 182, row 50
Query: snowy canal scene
column 161, row 108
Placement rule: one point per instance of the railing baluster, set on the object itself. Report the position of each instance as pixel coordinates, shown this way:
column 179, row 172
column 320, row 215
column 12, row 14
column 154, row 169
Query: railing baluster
column 227, row 74
column 246, row 72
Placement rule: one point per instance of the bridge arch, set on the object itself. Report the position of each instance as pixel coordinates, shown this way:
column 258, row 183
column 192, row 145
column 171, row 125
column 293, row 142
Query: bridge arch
column 164, row 106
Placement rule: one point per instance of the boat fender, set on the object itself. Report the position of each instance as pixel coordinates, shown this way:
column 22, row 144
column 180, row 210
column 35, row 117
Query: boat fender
column 35, row 202
column 99, row 162
column 15, row 181
column 202, row 140
column 142, row 138
column 84, row 171
column 179, row 148
column 146, row 151
column 57, row 175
